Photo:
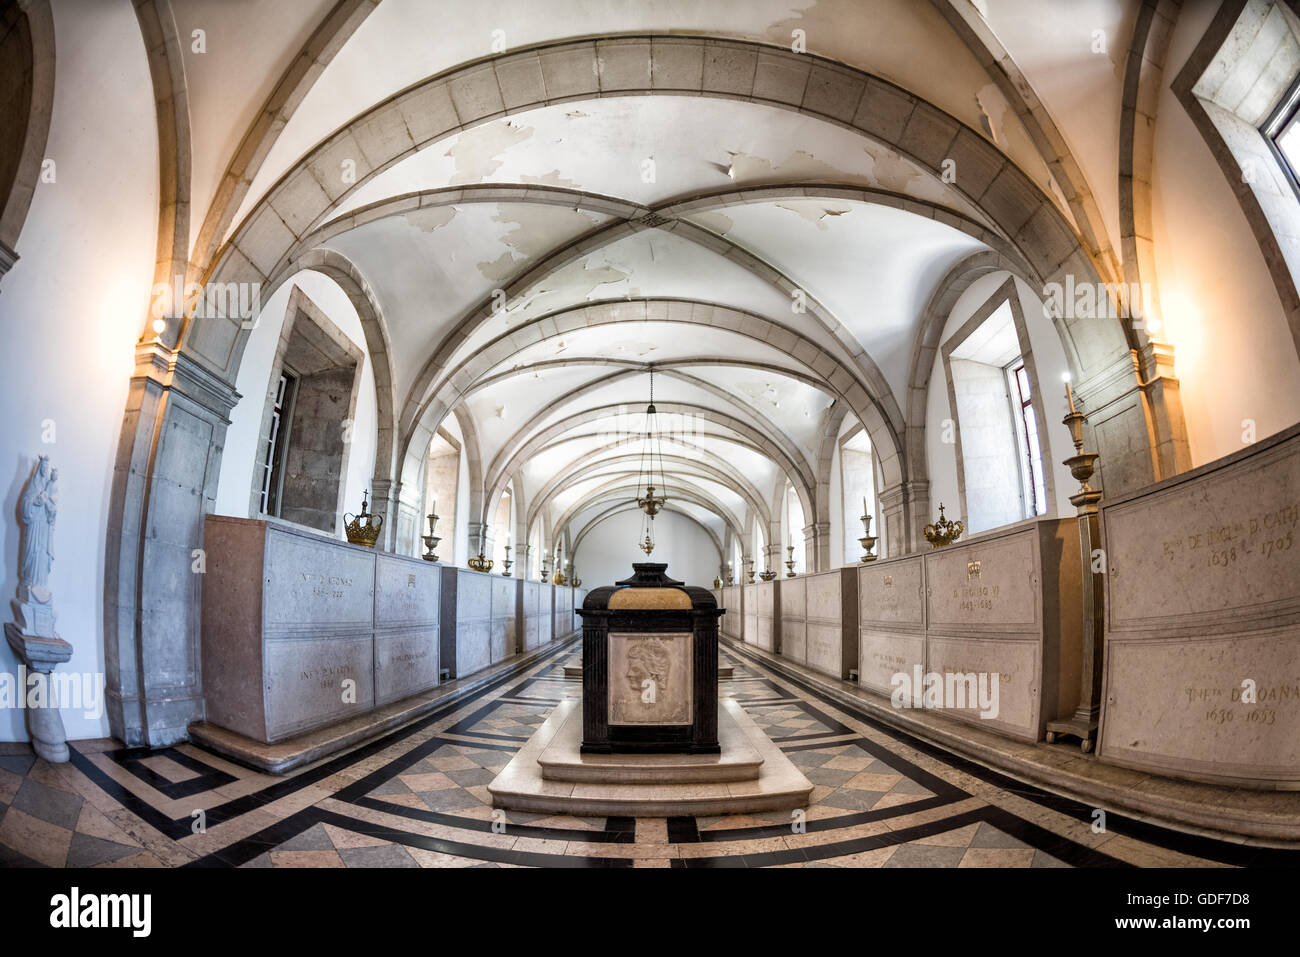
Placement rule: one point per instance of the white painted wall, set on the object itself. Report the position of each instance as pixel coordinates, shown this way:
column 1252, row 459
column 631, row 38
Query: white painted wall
column 606, row 554
column 71, row 310
column 243, row 453
column 1234, row 355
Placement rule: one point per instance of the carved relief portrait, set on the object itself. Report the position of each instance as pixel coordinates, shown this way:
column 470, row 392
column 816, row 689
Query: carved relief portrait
column 650, row 679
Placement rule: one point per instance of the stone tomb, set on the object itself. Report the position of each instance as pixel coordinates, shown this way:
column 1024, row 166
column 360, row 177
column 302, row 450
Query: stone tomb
column 1203, row 614
column 818, row 614
column 1005, row 602
column 762, row 615
column 650, row 737
column 301, row 631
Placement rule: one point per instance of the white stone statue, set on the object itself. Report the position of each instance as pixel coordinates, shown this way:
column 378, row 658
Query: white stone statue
column 31, row 635
column 37, row 508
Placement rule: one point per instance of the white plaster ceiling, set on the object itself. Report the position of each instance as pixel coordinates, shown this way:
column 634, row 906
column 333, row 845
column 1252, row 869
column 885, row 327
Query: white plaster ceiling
column 405, row 41
column 872, row 266
column 231, row 67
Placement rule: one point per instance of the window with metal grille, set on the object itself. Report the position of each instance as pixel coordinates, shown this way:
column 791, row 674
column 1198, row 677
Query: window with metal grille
column 276, row 444
column 1031, row 459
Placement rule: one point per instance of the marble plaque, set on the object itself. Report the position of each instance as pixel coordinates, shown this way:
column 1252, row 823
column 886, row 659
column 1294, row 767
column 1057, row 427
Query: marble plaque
column 990, row 583
column 473, row 646
column 651, row 678
column 1207, row 548
column 825, row 644
column 309, row 682
column 314, row 583
column 406, row 663
column 892, row 594
column 1015, row 661
column 1178, row 706
column 794, row 639
column 883, row 654
column 406, row 592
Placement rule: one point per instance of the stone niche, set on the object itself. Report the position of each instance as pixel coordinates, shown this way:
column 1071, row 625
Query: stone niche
column 1005, row 602
column 819, row 621
column 1202, row 600
column 479, row 619
column 762, row 615
column 290, row 618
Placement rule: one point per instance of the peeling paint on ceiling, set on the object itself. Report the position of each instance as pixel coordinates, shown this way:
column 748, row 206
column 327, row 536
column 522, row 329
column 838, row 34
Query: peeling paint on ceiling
column 799, row 165
column 993, row 110
column 890, row 170
column 813, row 211
column 715, row 222
column 431, row 218
column 477, row 151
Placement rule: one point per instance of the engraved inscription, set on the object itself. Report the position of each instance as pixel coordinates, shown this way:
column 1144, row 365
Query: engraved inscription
column 1266, row 534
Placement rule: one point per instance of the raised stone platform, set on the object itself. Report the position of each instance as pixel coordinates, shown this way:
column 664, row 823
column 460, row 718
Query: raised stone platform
column 550, row 775
column 739, row 761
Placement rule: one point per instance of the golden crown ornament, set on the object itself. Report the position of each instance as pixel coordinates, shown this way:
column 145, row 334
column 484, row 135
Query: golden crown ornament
column 944, row 531
column 363, row 528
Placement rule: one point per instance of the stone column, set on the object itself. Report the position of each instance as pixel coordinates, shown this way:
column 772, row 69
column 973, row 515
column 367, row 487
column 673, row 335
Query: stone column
column 164, row 483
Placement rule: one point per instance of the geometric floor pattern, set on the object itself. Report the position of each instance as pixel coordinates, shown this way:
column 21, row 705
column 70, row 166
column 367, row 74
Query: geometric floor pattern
column 418, row 798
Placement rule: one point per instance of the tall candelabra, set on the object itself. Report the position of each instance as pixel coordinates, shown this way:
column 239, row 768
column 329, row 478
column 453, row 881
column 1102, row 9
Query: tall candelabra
column 1083, row 723
column 506, row 564
column 868, row 541
column 789, row 561
column 431, row 540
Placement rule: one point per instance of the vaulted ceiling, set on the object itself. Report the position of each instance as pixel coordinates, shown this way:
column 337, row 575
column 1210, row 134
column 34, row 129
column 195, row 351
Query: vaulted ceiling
column 771, row 265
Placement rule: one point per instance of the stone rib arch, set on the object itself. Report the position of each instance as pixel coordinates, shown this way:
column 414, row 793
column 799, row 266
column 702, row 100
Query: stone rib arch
column 754, row 417
column 732, row 69
column 779, row 336
column 39, row 24
column 717, row 472
column 774, row 453
column 626, row 494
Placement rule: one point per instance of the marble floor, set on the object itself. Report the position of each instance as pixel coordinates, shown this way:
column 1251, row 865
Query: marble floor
column 418, row 798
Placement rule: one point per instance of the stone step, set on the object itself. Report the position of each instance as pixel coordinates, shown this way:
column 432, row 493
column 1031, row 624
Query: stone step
column 520, row 785
column 739, row 761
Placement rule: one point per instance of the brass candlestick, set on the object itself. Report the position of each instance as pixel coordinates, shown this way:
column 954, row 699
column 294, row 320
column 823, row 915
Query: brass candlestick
column 789, row 564
column 867, row 541
column 506, row 564
column 749, row 572
column 431, row 540
column 1083, row 723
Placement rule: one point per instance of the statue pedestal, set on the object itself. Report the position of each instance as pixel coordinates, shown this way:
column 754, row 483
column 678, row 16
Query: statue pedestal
column 42, row 655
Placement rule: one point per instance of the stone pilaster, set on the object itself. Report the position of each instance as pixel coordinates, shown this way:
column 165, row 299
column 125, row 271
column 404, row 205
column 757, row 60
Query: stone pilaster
column 385, row 500
column 816, row 546
column 904, row 512
column 164, row 483
column 1164, row 410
